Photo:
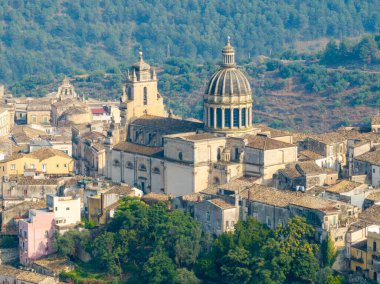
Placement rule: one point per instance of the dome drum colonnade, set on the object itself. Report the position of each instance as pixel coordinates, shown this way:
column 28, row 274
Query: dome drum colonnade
column 227, row 100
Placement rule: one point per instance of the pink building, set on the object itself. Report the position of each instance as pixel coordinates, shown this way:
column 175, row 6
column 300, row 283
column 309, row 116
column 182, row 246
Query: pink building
column 36, row 235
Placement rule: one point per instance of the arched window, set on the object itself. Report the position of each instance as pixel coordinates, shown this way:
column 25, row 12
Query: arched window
column 145, row 96
column 156, row 170
column 116, row 163
column 180, row 156
column 129, row 165
column 142, row 168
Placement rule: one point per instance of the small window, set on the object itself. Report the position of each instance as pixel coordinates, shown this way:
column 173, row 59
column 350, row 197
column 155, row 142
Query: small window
column 65, row 165
column 180, row 156
column 67, row 208
column 156, row 171
column 142, row 168
column 227, row 225
column 13, row 166
column 208, row 217
column 46, row 234
column 57, row 165
column 56, row 208
column 373, row 171
column 129, row 165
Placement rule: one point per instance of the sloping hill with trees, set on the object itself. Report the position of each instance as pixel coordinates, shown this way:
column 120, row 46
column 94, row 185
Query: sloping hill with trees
column 51, row 37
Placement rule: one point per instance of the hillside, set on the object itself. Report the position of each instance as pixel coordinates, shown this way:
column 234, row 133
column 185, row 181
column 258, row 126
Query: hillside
column 72, row 37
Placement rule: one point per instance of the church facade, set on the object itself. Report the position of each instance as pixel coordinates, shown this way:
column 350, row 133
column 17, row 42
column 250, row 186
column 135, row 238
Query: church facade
column 155, row 152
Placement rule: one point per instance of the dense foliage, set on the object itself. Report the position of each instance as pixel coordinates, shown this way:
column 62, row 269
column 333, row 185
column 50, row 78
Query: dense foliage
column 149, row 244
column 66, row 36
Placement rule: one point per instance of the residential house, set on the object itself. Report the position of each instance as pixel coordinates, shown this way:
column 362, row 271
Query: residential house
column 46, row 161
column 36, row 236
column 348, row 191
column 369, row 164
column 67, row 211
column 216, row 216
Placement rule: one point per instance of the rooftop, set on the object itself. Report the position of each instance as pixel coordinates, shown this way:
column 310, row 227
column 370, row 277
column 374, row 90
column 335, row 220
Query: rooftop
column 372, row 157
column 283, row 198
column 32, row 277
column 46, row 153
column 371, row 215
column 272, row 131
column 167, row 124
column 23, row 134
column 343, row 186
column 265, row 143
column 362, row 245
column 10, row 271
column 56, row 264
column 138, row 149
column 199, row 136
column 221, row 203
column 375, row 196
column 308, row 155
column 375, row 120
column 32, row 181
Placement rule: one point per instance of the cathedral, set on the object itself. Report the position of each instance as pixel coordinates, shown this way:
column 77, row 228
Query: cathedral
column 153, row 151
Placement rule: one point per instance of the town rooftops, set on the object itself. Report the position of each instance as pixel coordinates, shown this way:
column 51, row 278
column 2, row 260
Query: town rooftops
column 21, row 180
column 22, row 134
column 138, row 149
column 372, row 157
column 274, row 133
column 169, row 125
column 24, row 276
column 283, row 198
column 371, row 215
column 374, row 196
column 221, row 203
column 302, row 168
column 124, row 190
column 329, row 138
column 265, row 143
column 308, row 155
column 10, row 271
column 343, row 186
column 46, row 153
column 55, row 264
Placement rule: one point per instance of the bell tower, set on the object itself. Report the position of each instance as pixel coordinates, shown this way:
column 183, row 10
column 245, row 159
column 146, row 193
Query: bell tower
column 140, row 95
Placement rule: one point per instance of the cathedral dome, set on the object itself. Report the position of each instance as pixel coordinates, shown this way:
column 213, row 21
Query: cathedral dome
column 228, row 82
column 227, row 101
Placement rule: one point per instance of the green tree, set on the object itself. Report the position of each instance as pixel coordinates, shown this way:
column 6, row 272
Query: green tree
column 328, row 252
column 159, row 269
column 236, row 266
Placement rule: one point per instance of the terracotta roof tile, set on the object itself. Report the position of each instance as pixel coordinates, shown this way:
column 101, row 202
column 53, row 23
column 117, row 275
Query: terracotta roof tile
column 221, row 203
column 138, row 149
column 343, row 186
column 372, row 157
column 266, row 143
column 167, row 124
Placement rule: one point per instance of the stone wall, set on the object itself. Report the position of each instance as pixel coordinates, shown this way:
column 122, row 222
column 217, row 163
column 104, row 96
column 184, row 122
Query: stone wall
column 8, row 255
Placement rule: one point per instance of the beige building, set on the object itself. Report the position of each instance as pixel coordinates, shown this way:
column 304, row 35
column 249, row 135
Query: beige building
column 140, row 95
column 4, row 122
column 46, row 161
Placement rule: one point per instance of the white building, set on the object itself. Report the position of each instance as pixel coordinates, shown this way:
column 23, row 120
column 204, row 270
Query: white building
column 67, row 210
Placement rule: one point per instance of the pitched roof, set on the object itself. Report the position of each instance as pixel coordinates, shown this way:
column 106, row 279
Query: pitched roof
column 272, row 131
column 46, row 153
column 221, row 203
column 308, row 155
column 199, row 136
column 23, row 133
column 138, row 149
column 55, row 264
column 9, row 271
column 167, row 125
column 283, row 198
column 371, row 215
column 302, row 168
column 375, row 196
column 343, row 186
column 372, row 157
column 265, row 143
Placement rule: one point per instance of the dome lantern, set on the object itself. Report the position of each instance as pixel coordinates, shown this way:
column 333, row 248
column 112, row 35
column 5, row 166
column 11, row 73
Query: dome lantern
column 228, row 54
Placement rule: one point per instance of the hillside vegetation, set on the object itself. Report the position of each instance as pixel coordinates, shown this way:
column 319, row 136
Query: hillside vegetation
column 61, row 36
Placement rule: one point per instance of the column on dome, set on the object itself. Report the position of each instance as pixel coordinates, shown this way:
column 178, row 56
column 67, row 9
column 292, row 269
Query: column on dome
column 243, row 117
column 240, row 117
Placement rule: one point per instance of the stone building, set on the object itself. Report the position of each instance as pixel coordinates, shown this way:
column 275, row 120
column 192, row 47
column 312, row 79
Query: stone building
column 302, row 175
column 9, row 274
column 368, row 164
column 216, row 215
column 4, row 122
